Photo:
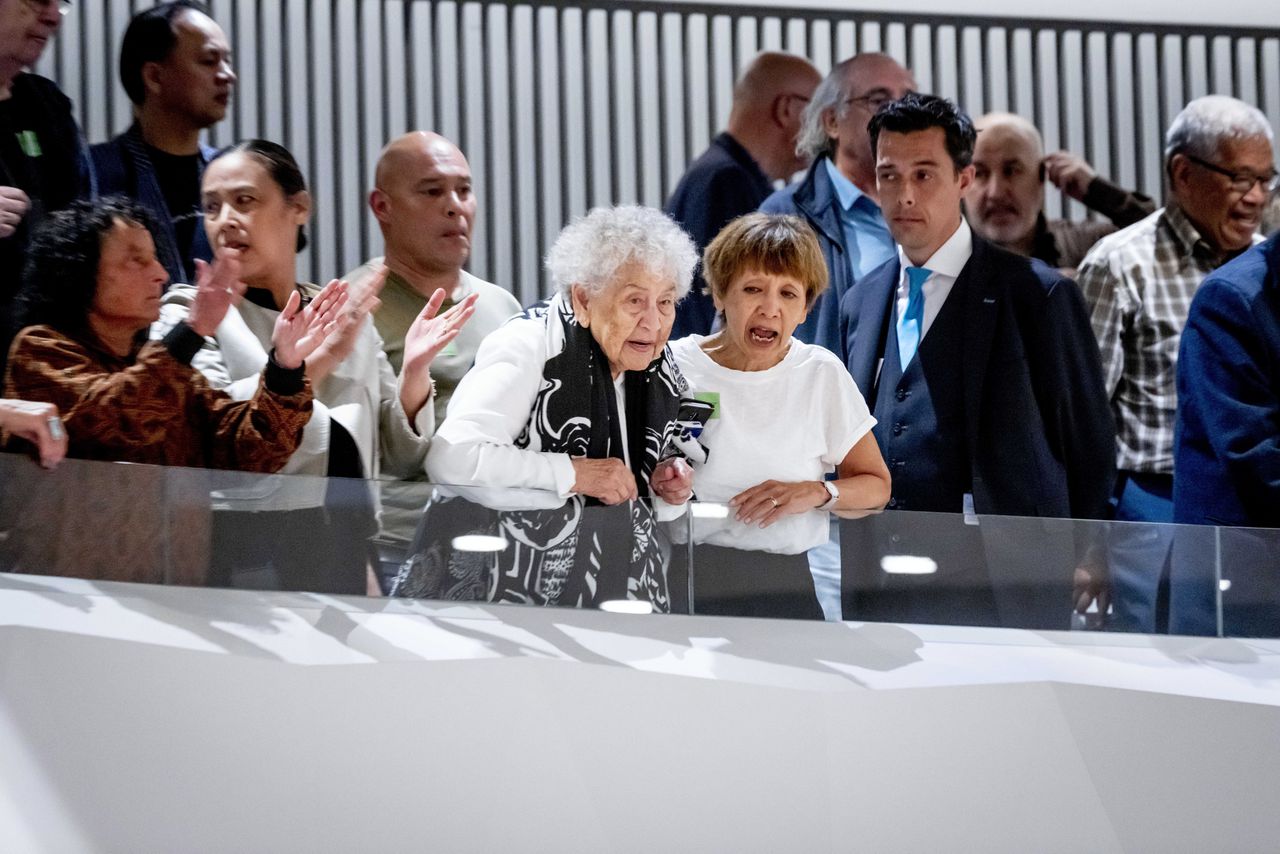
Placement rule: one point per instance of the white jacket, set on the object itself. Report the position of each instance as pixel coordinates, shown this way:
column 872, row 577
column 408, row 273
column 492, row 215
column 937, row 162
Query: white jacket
column 362, row 394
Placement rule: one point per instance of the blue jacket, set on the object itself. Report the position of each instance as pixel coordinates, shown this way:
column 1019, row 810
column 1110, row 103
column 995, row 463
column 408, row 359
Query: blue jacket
column 123, row 168
column 814, row 198
column 1227, row 437
column 1227, row 452
column 1038, row 423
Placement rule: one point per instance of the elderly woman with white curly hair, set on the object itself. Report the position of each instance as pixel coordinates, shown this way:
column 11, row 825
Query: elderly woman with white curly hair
column 576, row 399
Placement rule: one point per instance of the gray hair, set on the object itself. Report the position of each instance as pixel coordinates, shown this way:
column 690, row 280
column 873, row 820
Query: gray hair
column 590, row 250
column 1205, row 122
column 832, row 93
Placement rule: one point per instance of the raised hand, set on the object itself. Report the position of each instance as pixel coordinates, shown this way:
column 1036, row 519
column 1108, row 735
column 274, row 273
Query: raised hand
column 362, row 300
column 1069, row 172
column 300, row 331
column 427, row 336
column 14, row 205
column 217, row 286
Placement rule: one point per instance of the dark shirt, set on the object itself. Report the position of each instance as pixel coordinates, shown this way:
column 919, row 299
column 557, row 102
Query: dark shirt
column 724, row 183
column 42, row 154
column 179, row 179
column 1064, row 243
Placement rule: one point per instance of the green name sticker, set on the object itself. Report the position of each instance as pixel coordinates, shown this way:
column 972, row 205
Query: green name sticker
column 711, row 397
column 29, row 142
column 450, row 349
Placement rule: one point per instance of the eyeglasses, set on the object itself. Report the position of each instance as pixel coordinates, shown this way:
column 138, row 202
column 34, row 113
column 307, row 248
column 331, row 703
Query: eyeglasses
column 873, row 100
column 38, row 6
column 1241, row 182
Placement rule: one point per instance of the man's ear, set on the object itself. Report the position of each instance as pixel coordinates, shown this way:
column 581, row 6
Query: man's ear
column 830, row 124
column 151, row 78
column 1179, row 168
column 579, row 298
column 378, row 205
column 966, row 178
column 779, row 110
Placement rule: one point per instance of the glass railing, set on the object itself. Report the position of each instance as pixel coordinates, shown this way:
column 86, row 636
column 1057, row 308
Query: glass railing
column 200, row 527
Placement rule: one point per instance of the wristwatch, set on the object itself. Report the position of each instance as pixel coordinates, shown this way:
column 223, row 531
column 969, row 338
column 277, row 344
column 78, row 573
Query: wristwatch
column 833, row 492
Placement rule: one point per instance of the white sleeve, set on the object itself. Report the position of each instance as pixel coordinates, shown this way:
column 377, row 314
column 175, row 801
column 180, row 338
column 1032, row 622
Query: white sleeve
column 475, row 446
column 845, row 417
column 175, row 308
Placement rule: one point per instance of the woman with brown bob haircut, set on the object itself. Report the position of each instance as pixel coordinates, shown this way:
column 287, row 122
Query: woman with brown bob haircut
column 787, row 414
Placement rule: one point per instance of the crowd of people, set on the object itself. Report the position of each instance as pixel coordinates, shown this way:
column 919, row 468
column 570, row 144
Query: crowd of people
column 901, row 327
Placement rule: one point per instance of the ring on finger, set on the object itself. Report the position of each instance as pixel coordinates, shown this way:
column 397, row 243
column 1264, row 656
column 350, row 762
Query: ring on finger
column 773, row 501
column 56, row 431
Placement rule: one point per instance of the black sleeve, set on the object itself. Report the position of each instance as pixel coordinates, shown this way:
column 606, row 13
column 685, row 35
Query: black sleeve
column 1067, row 376
column 1121, row 206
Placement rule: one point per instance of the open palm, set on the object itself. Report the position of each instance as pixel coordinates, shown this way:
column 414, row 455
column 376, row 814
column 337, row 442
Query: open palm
column 300, row 331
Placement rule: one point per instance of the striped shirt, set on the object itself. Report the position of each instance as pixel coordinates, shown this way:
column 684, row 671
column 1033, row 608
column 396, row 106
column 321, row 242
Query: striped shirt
column 1138, row 284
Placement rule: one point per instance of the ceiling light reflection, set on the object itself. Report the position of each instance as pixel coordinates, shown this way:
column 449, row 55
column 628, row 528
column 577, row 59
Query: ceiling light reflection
column 479, row 543
column 626, row 606
column 908, row 565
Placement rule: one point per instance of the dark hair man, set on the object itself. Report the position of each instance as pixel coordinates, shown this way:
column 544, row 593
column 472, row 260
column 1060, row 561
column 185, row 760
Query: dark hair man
column 175, row 65
column 980, row 369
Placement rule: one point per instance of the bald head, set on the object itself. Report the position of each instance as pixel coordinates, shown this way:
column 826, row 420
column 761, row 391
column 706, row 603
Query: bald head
column 1007, row 194
column 768, row 101
column 1010, row 129
column 772, row 74
column 410, row 153
column 423, row 201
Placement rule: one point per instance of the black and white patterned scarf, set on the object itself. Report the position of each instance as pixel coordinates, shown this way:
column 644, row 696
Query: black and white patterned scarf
column 581, row 553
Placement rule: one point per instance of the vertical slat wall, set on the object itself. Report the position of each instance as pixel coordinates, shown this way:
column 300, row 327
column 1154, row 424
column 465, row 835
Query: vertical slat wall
column 562, row 105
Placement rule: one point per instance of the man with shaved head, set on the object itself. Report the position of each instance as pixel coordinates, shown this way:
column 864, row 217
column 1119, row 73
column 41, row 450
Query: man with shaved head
column 425, row 206
column 837, row 196
column 1005, row 202
column 733, row 176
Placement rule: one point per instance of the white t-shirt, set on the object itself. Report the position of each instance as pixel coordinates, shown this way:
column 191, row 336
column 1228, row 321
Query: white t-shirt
column 795, row 421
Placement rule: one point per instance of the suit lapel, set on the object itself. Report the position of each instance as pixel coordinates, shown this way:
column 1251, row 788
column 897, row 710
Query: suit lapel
column 868, row 323
column 978, row 284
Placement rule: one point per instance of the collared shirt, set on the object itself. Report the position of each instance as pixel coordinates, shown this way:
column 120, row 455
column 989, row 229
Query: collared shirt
column 944, row 265
column 1139, row 283
column 867, row 240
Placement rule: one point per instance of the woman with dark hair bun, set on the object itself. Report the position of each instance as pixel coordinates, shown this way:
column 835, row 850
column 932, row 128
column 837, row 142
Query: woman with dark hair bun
column 364, row 422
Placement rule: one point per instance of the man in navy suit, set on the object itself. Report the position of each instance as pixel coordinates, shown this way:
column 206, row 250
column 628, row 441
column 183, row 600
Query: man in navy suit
column 982, row 372
column 1227, row 451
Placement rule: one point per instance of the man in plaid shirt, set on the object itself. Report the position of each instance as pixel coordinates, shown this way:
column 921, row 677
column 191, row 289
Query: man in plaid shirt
column 1139, row 283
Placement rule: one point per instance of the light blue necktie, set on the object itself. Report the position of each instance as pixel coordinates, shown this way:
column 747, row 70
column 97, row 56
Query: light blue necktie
column 912, row 320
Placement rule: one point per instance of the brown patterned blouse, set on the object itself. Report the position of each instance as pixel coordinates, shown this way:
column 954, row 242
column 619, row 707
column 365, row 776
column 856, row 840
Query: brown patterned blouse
column 154, row 407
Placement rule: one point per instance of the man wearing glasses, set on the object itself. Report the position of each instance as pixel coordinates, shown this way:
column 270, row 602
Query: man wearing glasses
column 1139, row 284
column 838, row 194
column 736, row 173
column 43, row 162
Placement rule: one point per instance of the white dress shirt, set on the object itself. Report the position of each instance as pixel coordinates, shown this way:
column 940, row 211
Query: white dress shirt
column 945, row 265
